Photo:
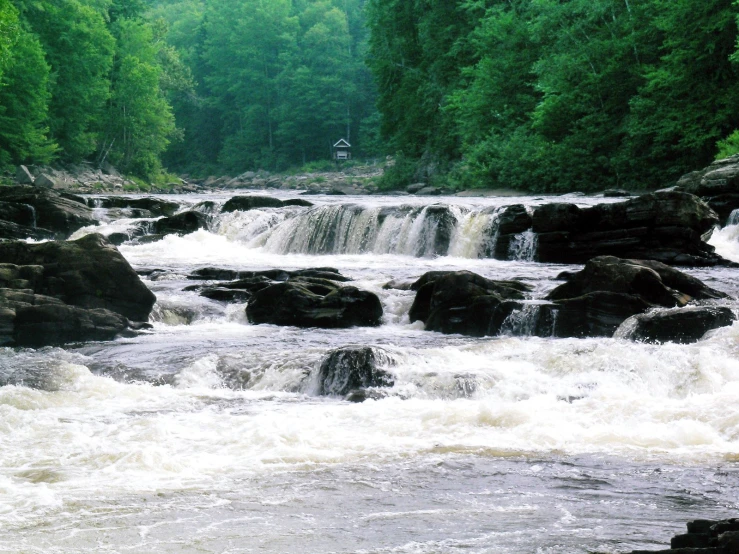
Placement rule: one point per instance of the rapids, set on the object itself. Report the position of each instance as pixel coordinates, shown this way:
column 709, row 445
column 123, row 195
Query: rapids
column 205, row 435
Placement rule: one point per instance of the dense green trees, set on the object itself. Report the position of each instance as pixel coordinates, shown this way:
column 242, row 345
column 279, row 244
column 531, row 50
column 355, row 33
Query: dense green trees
column 552, row 95
column 277, row 83
column 81, row 79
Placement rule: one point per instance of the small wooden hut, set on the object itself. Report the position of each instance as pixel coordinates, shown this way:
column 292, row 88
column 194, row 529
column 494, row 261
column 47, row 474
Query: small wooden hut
column 342, row 150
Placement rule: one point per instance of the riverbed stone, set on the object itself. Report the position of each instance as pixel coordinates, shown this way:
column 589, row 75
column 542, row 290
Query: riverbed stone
column 464, row 302
column 680, row 325
column 597, row 300
column 181, row 224
column 54, row 212
column 353, row 368
column 306, row 304
column 245, row 203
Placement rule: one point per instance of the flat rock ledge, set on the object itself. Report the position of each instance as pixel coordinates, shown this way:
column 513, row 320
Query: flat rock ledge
column 704, row 537
column 59, row 292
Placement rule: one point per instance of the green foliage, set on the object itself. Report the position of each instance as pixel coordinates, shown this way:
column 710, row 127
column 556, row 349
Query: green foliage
column 9, row 30
column 728, row 147
column 547, row 95
column 24, row 102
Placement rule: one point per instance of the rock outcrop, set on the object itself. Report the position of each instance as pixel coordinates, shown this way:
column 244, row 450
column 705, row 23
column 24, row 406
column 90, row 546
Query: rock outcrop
column 665, row 226
column 354, row 368
column 55, row 212
column 245, row 203
column 597, row 300
column 154, row 206
column 88, row 273
column 58, row 292
column 464, row 302
column 704, row 537
column 312, row 302
column 717, row 184
column 181, row 224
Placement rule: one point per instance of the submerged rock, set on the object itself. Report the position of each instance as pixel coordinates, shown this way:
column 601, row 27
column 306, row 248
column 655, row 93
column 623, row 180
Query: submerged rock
column 597, row 300
column 464, row 302
column 680, row 325
column 704, row 537
column 302, row 303
column 353, row 369
column 53, row 211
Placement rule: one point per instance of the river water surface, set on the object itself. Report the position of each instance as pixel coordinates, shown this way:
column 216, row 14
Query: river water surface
column 205, row 435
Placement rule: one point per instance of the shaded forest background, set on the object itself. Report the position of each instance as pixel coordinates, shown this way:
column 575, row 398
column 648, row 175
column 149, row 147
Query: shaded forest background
column 542, row 95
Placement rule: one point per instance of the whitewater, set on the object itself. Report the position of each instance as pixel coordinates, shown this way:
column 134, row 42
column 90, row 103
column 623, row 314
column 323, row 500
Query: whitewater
column 206, row 435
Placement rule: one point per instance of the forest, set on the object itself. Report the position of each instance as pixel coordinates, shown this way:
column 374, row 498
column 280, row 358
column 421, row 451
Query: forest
column 541, row 95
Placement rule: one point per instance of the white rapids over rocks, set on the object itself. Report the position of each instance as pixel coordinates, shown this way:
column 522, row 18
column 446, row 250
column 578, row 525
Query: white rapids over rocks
column 205, row 436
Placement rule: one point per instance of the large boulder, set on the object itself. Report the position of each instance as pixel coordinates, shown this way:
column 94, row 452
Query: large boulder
column 87, row 273
column 665, row 226
column 464, row 302
column 245, row 203
column 9, row 230
column 55, row 212
column 21, row 214
column 53, row 324
column 510, row 221
column 181, row 224
column 681, row 325
column 305, row 302
column 350, row 368
column 609, row 290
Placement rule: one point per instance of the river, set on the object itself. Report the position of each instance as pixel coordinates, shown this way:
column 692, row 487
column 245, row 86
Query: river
column 205, row 435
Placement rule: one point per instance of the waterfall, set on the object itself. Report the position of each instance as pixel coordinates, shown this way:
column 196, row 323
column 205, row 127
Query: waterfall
column 531, row 320
column 476, row 234
column 733, row 218
column 524, row 247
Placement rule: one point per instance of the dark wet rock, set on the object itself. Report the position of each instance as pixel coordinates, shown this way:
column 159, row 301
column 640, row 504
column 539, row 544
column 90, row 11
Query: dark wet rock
column 87, row 273
column 305, row 304
column 464, row 302
column 667, row 226
column 181, row 224
column 73, row 197
column 226, row 295
column 10, row 230
column 398, row 284
column 358, row 396
column 297, row 202
column 680, row 325
column 443, row 220
column 717, row 184
column 353, row 369
column 59, row 215
column 704, row 537
column 511, row 221
column 245, row 203
column 218, row 274
column 53, row 324
column 155, row 206
column 128, row 213
column 20, row 214
column 609, row 290
column 616, row 193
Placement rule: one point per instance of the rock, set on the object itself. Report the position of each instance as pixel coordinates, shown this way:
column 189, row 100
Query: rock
column 305, row 304
column 616, row 193
column 181, row 224
column 213, row 273
column 13, row 231
column 464, row 302
column 443, row 224
column 21, row 214
column 60, row 215
column 23, row 176
column 598, row 299
column 245, row 203
column 728, row 542
column 354, row 367
column 429, row 191
column 415, row 187
column 297, row 202
column 53, row 324
column 717, row 184
column 510, row 221
column 87, row 273
column 45, row 181
column 155, row 206
column 668, row 226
